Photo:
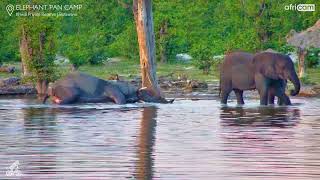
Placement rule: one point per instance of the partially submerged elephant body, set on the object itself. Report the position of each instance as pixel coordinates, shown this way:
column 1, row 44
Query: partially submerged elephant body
column 82, row 88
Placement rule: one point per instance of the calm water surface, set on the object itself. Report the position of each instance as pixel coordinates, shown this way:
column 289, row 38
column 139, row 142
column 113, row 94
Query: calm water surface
column 184, row 140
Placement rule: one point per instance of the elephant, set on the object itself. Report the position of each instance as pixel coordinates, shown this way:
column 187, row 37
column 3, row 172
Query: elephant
column 265, row 71
column 278, row 87
column 78, row 87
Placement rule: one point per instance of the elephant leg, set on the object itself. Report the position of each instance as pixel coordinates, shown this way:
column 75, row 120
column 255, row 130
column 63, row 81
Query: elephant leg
column 115, row 94
column 239, row 95
column 262, row 84
column 226, row 88
column 283, row 99
column 270, row 97
column 263, row 97
column 225, row 95
column 279, row 89
column 279, row 102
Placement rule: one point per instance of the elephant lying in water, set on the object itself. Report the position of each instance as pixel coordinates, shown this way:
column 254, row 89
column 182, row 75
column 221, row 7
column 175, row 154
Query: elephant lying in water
column 82, row 88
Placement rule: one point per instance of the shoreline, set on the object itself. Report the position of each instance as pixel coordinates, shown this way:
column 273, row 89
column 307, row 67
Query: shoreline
column 172, row 88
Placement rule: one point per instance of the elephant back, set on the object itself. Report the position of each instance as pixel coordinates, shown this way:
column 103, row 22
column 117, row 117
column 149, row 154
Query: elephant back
column 89, row 85
column 125, row 87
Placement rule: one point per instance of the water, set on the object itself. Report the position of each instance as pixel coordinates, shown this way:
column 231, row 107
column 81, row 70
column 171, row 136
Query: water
column 184, row 140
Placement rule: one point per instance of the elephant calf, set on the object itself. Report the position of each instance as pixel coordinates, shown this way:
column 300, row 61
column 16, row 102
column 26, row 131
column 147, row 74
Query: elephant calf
column 267, row 72
column 82, row 88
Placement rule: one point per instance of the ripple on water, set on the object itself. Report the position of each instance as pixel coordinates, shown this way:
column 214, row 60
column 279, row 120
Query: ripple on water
column 184, row 140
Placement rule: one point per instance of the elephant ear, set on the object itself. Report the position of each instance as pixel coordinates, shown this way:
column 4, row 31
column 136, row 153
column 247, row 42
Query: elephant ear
column 266, row 67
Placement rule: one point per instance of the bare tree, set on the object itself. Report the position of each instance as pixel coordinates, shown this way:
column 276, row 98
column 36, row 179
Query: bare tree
column 303, row 41
column 142, row 10
column 25, row 52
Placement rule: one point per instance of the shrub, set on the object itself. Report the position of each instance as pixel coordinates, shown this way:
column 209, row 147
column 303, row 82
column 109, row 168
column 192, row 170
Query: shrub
column 97, row 58
column 313, row 57
column 202, row 58
column 306, row 80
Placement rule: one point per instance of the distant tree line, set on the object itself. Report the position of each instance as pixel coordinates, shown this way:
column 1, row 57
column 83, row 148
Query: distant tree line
column 201, row 28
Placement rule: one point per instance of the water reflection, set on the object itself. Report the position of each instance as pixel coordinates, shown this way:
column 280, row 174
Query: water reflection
column 146, row 139
column 185, row 140
column 260, row 116
column 41, row 138
column 265, row 142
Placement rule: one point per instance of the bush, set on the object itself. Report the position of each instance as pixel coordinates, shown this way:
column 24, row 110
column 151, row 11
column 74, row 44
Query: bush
column 306, row 80
column 286, row 49
column 77, row 58
column 126, row 44
column 313, row 57
column 202, row 58
column 97, row 58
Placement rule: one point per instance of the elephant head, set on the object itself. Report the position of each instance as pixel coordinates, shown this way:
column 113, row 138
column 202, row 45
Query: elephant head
column 60, row 94
column 145, row 95
column 51, row 93
column 277, row 66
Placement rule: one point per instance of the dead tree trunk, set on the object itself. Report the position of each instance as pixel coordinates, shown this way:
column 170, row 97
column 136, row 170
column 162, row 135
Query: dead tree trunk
column 25, row 52
column 42, row 84
column 142, row 10
column 301, row 62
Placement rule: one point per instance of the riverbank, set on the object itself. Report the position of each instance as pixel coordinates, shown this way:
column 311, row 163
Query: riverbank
column 177, row 80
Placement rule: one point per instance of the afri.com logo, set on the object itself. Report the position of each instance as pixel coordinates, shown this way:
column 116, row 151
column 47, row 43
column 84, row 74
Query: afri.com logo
column 300, row 7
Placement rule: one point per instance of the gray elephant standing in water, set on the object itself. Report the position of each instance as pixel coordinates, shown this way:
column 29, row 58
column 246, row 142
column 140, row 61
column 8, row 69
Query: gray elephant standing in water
column 82, row 88
column 267, row 72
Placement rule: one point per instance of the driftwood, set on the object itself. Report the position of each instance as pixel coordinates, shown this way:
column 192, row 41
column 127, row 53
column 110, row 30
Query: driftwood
column 12, row 86
column 18, row 90
column 13, row 81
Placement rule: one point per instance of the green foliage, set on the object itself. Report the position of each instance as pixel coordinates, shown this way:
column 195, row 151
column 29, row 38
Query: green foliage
column 307, row 80
column 202, row 57
column 101, row 29
column 126, row 44
column 41, row 33
column 313, row 57
column 105, row 29
column 286, row 49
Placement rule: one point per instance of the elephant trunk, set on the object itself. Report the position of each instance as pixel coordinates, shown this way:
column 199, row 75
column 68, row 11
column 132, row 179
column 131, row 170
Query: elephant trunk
column 296, row 82
column 47, row 95
column 44, row 99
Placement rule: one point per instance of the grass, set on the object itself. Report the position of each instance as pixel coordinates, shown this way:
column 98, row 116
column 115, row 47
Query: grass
column 314, row 75
column 17, row 73
column 129, row 69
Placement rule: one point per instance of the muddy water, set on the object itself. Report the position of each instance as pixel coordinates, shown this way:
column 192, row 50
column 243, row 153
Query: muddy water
column 184, row 140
